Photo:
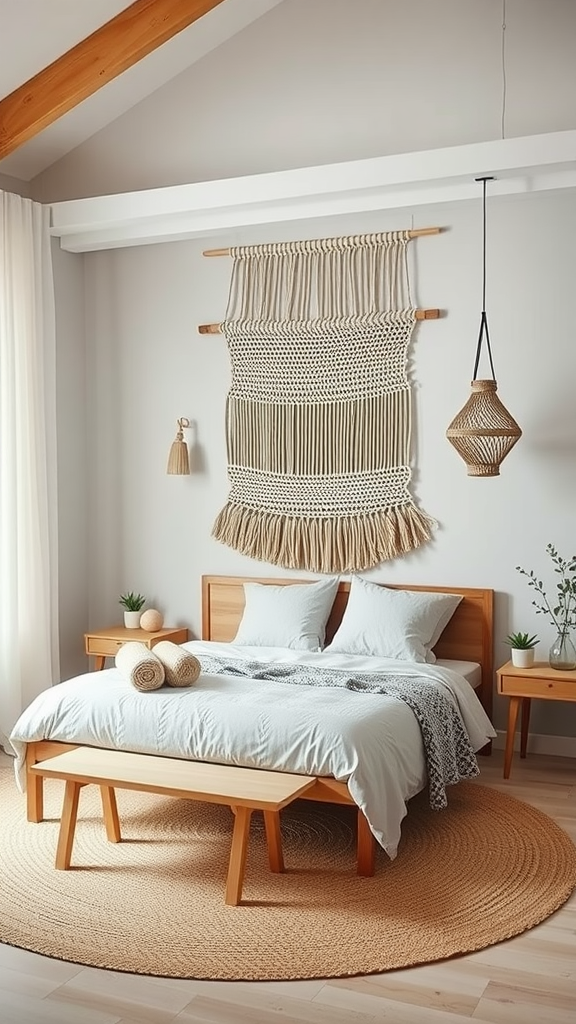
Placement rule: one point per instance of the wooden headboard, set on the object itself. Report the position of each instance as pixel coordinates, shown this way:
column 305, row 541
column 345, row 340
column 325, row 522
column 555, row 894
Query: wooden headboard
column 467, row 637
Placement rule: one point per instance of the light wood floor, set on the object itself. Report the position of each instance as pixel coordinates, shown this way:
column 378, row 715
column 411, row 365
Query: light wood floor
column 527, row 980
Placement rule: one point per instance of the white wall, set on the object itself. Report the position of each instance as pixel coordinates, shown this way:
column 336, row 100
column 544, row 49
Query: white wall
column 19, row 188
column 309, row 83
column 318, row 81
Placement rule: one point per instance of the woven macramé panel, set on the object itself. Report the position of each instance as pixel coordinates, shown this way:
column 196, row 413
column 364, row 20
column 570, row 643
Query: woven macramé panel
column 318, row 426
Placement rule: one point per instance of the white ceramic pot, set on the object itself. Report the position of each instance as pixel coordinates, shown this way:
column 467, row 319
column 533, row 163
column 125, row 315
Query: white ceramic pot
column 522, row 658
column 132, row 620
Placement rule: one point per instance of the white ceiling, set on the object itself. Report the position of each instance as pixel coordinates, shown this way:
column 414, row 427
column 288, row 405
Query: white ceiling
column 35, row 32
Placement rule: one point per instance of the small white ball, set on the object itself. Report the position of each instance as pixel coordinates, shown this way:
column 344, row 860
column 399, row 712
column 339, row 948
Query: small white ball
column 151, row 620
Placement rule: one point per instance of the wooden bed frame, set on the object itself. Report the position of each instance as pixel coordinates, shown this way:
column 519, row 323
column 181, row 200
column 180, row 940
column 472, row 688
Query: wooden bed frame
column 467, row 637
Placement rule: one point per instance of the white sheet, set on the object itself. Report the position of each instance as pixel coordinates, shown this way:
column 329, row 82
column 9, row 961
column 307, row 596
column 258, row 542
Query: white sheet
column 471, row 670
column 370, row 741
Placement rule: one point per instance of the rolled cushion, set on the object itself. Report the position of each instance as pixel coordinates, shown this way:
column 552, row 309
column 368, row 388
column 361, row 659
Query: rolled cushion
column 181, row 667
column 140, row 665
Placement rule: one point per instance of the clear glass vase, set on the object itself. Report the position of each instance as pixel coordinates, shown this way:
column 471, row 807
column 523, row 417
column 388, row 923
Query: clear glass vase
column 563, row 653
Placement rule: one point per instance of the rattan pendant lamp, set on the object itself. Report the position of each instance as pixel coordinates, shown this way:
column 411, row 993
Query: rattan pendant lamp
column 483, row 432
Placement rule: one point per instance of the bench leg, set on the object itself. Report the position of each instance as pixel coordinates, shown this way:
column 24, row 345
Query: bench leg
column 67, row 825
column 274, row 840
column 110, row 812
column 238, row 853
column 366, row 847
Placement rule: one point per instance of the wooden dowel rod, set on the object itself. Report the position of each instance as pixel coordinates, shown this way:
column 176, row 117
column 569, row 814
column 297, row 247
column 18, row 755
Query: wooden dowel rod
column 421, row 314
column 209, row 329
column 414, row 233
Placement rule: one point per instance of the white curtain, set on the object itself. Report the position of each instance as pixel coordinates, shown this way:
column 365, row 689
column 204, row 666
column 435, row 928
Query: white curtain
column 29, row 659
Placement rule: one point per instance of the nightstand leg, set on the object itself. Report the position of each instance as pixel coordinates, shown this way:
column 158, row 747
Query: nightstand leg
column 99, row 660
column 513, row 710
column 524, row 724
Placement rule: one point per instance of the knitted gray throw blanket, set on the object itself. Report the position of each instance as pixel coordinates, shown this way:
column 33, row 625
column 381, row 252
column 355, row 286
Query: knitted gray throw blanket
column 448, row 751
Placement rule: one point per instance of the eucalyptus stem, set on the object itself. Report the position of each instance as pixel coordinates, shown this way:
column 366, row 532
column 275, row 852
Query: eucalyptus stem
column 545, row 609
column 562, row 616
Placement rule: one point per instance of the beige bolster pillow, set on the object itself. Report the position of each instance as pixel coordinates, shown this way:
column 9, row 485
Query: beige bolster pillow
column 180, row 666
column 140, row 665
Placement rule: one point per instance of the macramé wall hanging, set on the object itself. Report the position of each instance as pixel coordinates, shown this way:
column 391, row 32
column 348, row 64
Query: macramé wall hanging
column 318, row 417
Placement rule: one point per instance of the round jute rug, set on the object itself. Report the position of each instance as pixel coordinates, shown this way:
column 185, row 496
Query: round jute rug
column 485, row 869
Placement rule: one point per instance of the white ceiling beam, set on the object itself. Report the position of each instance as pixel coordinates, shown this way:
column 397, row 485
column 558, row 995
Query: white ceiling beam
column 204, row 209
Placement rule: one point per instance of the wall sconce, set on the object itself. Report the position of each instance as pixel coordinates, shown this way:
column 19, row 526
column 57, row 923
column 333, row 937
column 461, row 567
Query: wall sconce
column 178, row 459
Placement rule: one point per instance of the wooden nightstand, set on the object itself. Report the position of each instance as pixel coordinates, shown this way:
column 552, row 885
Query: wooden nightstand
column 103, row 643
column 521, row 685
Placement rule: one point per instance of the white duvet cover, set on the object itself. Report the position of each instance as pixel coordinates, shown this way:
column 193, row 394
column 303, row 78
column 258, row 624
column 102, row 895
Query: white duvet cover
column 372, row 742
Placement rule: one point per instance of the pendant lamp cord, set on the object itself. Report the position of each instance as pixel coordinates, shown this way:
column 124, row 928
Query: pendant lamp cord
column 483, row 318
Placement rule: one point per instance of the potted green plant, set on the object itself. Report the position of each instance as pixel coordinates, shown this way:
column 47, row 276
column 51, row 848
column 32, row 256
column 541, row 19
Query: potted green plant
column 522, row 649
column 561, row 610
column 132, row 604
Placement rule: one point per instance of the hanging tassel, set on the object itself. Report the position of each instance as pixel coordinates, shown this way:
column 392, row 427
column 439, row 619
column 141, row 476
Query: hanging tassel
column 178, row 460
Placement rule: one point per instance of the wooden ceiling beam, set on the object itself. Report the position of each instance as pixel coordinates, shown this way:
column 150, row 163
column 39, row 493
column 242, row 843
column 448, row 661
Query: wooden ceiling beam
column 96, row 60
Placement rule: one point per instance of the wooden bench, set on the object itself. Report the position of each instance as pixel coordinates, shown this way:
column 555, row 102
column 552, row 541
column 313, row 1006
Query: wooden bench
column 242, row 789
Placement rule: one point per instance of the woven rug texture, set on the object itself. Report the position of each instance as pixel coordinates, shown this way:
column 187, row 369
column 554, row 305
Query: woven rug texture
column 485, row 869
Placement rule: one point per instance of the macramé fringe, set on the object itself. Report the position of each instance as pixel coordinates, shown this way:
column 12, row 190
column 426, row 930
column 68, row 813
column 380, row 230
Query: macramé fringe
column 330, row 545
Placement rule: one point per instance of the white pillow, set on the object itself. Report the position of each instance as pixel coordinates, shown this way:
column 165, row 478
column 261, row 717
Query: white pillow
column 402, row 624
column 293, row 616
